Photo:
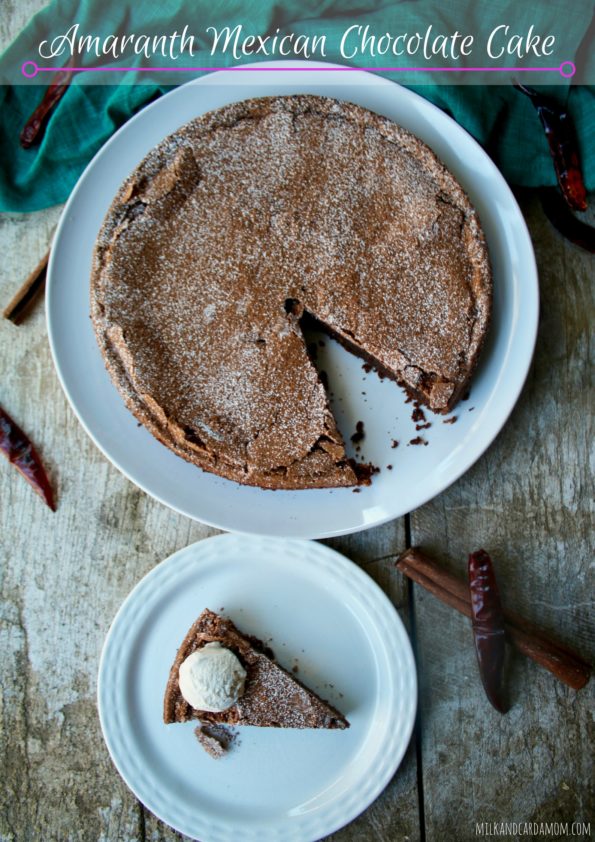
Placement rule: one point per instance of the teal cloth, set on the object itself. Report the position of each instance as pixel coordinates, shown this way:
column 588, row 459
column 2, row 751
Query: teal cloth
column 500, row 118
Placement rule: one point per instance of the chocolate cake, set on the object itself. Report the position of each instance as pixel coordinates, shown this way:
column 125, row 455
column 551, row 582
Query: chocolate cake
column 251, row 217
column 272, row 697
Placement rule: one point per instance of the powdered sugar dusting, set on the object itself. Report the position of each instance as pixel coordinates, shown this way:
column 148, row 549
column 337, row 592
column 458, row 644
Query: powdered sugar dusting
column 298, row 198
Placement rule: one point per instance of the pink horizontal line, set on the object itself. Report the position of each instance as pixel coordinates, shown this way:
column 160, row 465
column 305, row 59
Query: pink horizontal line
column 30, row 69
column 298, row 69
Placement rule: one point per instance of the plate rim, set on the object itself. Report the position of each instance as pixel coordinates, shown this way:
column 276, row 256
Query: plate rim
column 470, row 455
column 365, row 590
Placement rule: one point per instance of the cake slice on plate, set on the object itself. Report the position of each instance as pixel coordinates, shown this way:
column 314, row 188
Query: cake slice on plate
column 223, row 676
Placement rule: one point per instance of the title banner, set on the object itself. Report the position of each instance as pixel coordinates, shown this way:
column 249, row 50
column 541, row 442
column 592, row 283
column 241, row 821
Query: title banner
column 416, row 42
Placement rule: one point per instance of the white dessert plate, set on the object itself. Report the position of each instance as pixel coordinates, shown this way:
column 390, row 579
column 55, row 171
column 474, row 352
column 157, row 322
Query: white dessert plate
column 418, row 472
column 325, row 616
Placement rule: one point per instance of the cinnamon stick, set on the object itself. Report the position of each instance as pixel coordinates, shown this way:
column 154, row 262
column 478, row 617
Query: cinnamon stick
column 25, row 296
column 533, row 642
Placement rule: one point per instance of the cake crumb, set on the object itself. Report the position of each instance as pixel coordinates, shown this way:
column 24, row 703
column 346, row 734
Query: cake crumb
column 215, row 739
column 418, row 440
column 389, row 467
column 423, row 426
column 394, row 443
column 450, row 420
column 359, row 432
column 418, row 413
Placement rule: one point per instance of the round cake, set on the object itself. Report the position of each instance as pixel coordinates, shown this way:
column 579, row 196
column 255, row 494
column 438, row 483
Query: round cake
column 245, row 221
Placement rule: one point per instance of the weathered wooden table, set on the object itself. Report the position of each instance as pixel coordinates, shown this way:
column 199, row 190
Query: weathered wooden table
column 528, row 501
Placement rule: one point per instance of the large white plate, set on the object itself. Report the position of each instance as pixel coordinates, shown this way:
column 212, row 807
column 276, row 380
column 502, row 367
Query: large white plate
column 276, row 784
column 419, row 473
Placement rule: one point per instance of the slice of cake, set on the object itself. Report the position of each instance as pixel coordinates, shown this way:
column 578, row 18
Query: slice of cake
column 222, row 676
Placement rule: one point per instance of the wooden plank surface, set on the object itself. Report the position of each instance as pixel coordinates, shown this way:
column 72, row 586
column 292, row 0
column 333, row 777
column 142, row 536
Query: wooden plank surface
column 528, row 502
column 63, row 576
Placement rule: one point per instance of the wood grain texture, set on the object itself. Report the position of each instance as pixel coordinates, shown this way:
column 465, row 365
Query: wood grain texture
column 63, row 577
column 528, row 503
column 14, row 16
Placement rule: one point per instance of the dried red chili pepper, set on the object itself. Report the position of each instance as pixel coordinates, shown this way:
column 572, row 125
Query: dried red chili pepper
column 561, row 136
column 19, row 451
column 488, row 626
column 33, row 129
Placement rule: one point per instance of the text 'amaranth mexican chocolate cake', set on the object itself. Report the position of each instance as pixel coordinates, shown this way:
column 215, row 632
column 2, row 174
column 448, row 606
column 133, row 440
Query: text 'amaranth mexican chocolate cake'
column 247, row 218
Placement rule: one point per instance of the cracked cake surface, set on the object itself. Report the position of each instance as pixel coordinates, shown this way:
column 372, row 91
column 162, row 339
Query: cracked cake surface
column 272, row 697
column 245, row 219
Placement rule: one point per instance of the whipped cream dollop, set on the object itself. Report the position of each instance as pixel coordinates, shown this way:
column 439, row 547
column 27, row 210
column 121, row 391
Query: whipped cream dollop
column 212, row 678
